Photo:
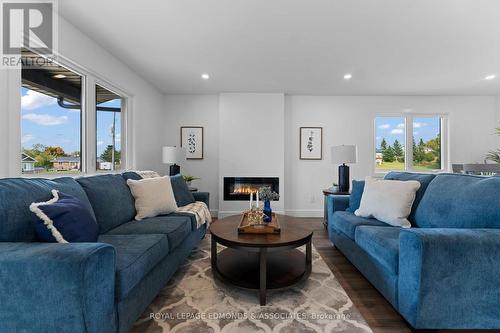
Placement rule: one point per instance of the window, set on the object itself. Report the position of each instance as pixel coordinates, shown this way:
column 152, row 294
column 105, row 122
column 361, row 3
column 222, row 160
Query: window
column 51, row 120
column 427, row 144
column 61, row 134
column 424, row 154
column 391, row 143
column 108, row 130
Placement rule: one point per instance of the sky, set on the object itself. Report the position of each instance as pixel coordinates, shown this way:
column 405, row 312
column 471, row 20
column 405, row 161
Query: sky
column 392, row 128
column 44, row 121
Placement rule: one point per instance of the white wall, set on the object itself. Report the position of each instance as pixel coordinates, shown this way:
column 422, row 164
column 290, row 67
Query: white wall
column 196, row 110
column 346, row 120
column 349, row 120
column 148, row 102
column 251, row 142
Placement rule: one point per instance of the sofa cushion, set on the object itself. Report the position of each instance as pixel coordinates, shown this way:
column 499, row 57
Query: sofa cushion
column 358, row 187
column 153, row 197
column 136, row 256
column 131, row 175
column 16, row 195
column 63, row 219
column 389, row 201
column 423, row 178
column 175, row 227
column 460, row 201
column 181, row 191
column 347, row 223
column 382, row 243
column 111, row 199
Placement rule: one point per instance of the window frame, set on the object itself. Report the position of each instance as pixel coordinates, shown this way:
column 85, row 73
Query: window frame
column 408, row 121
column 124, row 125
column 88, row 125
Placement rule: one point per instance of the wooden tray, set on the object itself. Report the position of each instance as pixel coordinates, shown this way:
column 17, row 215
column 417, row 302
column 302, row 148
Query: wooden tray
column 272, row 227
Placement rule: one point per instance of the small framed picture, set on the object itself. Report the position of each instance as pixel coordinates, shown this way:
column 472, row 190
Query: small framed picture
column 192, row 141
column 311, row 143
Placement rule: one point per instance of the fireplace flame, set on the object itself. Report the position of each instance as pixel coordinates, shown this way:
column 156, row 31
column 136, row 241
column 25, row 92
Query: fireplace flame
column 245, row 189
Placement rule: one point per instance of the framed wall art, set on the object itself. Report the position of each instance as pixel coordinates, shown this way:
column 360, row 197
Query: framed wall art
column 311, row 143
column 192, row 141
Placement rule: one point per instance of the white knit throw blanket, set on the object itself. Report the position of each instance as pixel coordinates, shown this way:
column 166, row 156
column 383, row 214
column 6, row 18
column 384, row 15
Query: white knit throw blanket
column 199, row 210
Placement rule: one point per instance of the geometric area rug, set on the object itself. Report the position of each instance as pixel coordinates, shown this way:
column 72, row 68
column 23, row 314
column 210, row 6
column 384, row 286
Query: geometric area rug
column 194, row 302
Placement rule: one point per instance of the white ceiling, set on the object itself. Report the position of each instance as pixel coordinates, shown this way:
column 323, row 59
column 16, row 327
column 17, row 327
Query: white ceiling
column 392, row 47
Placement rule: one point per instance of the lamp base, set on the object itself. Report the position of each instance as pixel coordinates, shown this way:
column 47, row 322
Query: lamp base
column 174, row 169
column 344, row 178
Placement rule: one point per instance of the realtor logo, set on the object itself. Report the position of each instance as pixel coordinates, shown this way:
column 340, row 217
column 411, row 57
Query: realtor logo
column 28, row 25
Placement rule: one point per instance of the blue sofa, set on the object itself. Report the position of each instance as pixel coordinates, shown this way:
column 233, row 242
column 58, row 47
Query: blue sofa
column 444, row 272
column 86, row 287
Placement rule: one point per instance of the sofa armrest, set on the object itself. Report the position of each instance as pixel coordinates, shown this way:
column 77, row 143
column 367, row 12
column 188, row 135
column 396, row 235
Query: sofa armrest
column 202, row 196
column 337, row 202
column 334, row 203
column 52, row 287
column 450, row 278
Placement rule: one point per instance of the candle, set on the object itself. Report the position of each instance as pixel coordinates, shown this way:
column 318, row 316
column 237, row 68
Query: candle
column 251, row 198
column 257, row 199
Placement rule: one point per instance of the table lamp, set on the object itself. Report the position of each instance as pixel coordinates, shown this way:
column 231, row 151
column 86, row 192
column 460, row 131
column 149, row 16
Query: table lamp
column 344, row 154
column 173, row 155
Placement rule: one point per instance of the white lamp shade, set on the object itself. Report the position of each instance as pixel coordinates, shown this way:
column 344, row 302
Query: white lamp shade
column 344, row 154
column 172, row 155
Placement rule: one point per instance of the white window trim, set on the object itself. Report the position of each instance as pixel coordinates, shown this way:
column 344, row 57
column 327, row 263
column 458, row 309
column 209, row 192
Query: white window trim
column 408, row 119
column 126, row 149
column 88, row 122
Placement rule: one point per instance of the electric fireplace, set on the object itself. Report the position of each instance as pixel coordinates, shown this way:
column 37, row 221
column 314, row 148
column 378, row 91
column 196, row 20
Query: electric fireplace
column 239, row 188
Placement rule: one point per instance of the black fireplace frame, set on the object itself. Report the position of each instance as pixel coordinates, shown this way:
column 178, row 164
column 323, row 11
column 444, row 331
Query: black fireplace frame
column 228, row 181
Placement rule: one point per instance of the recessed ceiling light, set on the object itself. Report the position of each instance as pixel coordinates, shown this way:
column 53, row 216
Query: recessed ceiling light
column 490, row 77
column 59, row 76
column 205, row 76
column 347, row 76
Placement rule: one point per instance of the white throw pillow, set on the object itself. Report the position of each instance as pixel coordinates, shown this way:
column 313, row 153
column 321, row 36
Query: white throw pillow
column 388, row 201
column 153, row 197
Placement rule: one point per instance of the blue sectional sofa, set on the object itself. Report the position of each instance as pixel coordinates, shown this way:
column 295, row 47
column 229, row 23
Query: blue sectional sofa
column 444, row 272
column 86, row 287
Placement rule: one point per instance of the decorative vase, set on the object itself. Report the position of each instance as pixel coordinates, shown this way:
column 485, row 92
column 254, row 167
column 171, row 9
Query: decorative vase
column 268, row 212
column 188, row 183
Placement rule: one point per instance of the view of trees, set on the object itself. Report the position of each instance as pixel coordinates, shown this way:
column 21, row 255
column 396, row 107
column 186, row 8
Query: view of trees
column 107, row 155
column 394, row 153
column 426, row 155
column 44, row 155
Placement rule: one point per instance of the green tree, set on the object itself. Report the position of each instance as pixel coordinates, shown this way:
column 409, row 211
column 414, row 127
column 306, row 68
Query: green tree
column 429, row 157
column 383, row 145
column 107, row 154
column 388, row 155
column 419, row 152
column 44, row 155
column 399, row 154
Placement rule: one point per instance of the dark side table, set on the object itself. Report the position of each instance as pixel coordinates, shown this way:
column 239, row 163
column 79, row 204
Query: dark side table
column 326, row 193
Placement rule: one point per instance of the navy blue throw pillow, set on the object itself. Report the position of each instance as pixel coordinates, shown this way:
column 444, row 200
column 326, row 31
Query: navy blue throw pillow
column 63, row 219
column 182, row 194
column 358, row 186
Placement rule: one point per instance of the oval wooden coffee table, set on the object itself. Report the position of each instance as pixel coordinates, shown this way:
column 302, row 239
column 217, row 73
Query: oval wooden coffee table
column 260, row 261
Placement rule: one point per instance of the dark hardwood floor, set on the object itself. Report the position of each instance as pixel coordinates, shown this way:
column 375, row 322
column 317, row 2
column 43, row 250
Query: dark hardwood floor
column 379, row 313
